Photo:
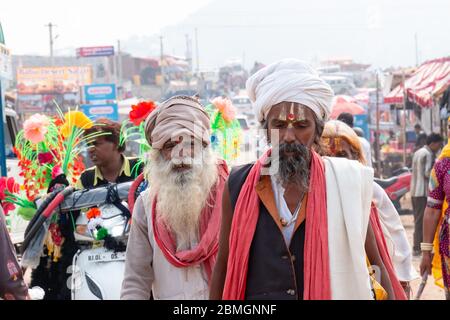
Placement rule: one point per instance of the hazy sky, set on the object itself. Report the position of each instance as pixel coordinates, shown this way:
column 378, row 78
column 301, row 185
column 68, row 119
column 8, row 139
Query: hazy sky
column 378, row 32
column 86, row 22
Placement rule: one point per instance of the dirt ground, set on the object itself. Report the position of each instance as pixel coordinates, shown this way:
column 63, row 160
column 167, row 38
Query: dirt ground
column 431, row 291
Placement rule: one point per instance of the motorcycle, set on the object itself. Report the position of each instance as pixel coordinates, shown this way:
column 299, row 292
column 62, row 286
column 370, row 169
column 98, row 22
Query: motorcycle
column 98, row 265
column 397, row 187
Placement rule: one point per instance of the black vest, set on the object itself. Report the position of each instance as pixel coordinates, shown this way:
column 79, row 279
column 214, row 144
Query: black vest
column 274, row 271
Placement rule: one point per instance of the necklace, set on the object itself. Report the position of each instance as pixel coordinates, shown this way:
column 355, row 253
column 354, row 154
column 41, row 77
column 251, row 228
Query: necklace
column 294, row 218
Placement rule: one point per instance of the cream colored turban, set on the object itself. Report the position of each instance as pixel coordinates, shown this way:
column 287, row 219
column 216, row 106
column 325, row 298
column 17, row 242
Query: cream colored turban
column 289, row 80
column 177, row 117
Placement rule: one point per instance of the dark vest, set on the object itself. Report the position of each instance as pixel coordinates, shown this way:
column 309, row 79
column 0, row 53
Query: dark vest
column 275, row 272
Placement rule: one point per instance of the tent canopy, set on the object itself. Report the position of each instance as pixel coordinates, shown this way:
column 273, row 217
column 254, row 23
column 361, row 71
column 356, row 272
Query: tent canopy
column 429, row 81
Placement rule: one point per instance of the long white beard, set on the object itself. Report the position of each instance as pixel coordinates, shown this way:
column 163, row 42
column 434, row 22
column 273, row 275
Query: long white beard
column 182, row 195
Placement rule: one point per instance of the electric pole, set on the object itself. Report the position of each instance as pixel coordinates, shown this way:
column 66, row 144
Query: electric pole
column 417, row 49
column 188, row 52
column 196, row 49
column 50, row 27
column 162, row 65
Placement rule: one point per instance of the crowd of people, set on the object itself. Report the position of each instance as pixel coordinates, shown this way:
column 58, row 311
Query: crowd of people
column 306, row 221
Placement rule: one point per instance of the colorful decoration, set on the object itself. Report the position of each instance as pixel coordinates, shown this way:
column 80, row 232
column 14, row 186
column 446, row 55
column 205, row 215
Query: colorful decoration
column 35, row 128
column 26, row 213
column 50, row 147
column 102, row 233
column 133, row 129
column 226, row 130
column 54, row 241
column 95, row 224
column 9, row 197
column 93, row 213
column 140, row 112
column 75, row 119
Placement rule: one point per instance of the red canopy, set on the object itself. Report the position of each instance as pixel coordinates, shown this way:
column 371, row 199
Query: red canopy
column 429, row 80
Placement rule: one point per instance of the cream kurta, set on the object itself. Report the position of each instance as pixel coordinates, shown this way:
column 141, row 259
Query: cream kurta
column 147, row 270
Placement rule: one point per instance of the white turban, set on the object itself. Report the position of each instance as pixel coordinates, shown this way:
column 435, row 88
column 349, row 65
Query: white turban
column 289, row 80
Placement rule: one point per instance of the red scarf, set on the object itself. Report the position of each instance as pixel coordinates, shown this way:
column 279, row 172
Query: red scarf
column 384, row 253
column 209, row 229
column 316, row 258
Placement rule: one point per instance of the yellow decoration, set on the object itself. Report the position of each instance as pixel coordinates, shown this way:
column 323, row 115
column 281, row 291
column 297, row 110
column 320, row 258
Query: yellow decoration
column 65, row 130
column 78, row 119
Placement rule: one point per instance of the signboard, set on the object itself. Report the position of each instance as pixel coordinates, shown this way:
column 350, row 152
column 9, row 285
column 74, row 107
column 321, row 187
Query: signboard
column 104, row 51
column 46, row 102
column 52, row 80
column 110, row 111
column 100, row 92
column 5, row 63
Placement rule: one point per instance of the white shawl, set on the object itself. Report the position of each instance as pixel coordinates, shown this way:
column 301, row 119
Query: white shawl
column 349, row 196
column 395, row 235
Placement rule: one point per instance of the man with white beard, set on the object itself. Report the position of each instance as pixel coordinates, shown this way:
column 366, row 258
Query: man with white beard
column 173, row 241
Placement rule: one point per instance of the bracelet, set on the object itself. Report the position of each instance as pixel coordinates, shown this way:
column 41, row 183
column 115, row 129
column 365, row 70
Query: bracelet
column 426, row 246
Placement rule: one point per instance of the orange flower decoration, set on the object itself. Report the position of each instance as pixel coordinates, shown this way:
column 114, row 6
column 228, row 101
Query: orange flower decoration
column 141, row 111
column 93, row 213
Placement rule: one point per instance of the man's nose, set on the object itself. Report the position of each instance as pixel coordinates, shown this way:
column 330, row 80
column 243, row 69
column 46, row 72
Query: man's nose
column 289, row 135
column 185, row 151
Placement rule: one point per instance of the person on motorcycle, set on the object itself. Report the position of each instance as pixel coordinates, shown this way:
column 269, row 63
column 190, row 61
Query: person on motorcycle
column 173, row 240
column 106, row 153
column 338, row 140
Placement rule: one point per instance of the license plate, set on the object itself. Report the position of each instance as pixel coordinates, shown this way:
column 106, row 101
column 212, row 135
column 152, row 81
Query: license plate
column 106, row 257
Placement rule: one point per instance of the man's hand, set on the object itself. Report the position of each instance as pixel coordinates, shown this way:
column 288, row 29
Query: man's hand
column 425, row 264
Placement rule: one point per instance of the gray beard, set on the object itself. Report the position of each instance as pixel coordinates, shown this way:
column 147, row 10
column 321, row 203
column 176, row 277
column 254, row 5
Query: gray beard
column 294, row 169
column 181, row 196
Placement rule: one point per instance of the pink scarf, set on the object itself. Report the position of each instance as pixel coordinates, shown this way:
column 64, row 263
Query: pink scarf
column 209, row 229
column 246, row 213
column 384, row 253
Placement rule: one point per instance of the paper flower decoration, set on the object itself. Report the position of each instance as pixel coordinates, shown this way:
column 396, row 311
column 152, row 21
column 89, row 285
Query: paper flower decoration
column 141, row 111
column 93, row 213
column 57, row 171
column 78, row 119
column 35, row 128
column 75, row 118
column 8, row 187
column 45, row 157
column 226, row 108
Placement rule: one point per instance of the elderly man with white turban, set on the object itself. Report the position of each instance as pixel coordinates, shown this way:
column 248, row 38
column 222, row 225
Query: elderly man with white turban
column 294, row 224
column 174, row 236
